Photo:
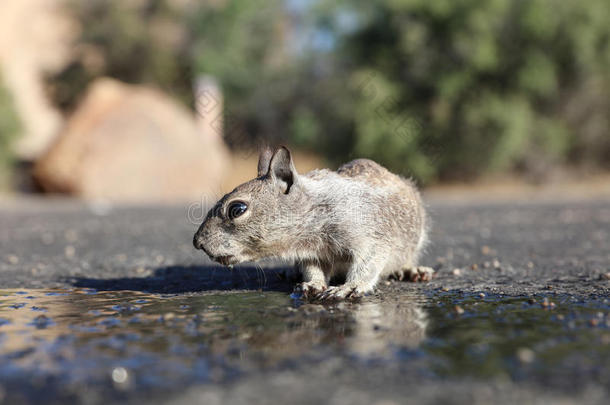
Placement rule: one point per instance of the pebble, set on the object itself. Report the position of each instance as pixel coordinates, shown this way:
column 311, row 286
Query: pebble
column 530, row 265
column 444, row 289
column 496, row 263
column 456, row 272
column 593, row 322
column 482, row 295
column 47, row 238
column 525, row 355
column 69, row 251
column 485, row 250
column 548, row 304
column 458, row 310
column 71, row 235
column 12, row 259
column 605, row 276
column 474, row 267
column 120, row 375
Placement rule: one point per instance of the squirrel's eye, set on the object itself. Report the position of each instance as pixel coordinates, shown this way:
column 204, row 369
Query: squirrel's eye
column 236, row 209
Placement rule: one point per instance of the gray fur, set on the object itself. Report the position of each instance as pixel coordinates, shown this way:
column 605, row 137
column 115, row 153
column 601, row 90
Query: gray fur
column 362, row 222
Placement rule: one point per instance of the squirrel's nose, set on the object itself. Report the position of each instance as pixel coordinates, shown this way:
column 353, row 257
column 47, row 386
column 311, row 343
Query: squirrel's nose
column 198, row 241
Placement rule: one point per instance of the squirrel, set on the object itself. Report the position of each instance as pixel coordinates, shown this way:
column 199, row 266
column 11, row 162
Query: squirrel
column 361, row 222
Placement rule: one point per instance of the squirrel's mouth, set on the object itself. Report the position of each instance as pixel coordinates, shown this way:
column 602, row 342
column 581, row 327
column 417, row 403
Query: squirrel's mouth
column 225, row 260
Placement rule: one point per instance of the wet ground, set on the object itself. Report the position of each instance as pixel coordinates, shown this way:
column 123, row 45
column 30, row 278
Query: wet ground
column 101, row 304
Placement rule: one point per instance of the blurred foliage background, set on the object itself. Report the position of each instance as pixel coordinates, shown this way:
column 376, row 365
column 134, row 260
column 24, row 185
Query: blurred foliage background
column 440, row 90
column 9, row 130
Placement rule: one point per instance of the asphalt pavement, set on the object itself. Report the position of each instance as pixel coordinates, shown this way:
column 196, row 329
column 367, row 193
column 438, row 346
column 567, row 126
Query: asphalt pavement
column 538, row 252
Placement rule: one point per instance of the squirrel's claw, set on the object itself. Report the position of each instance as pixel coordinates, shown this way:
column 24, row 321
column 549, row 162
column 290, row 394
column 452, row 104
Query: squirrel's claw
column 339, row 293
column 309, row 290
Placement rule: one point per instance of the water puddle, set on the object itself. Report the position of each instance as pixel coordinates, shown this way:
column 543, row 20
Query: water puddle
column 561, row 341
column 55, row 342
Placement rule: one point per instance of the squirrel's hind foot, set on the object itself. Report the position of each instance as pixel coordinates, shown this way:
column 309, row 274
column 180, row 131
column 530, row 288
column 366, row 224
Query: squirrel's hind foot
column 413, row 274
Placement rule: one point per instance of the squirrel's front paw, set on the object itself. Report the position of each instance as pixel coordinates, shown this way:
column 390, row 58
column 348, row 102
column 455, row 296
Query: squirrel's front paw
column 339, row 293
column 310, row 289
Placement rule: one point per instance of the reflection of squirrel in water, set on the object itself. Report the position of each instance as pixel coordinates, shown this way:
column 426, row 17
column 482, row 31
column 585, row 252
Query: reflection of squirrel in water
column 361, row 221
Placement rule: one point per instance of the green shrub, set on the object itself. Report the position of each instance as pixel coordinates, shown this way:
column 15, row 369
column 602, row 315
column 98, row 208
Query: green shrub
column 492, row 84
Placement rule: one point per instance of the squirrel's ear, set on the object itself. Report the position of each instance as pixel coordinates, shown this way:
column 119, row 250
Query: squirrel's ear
column 263, row 161
column 282, row 169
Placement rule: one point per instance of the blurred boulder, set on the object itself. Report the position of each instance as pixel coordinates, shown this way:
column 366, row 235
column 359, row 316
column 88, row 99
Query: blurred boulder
column 132, row 143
